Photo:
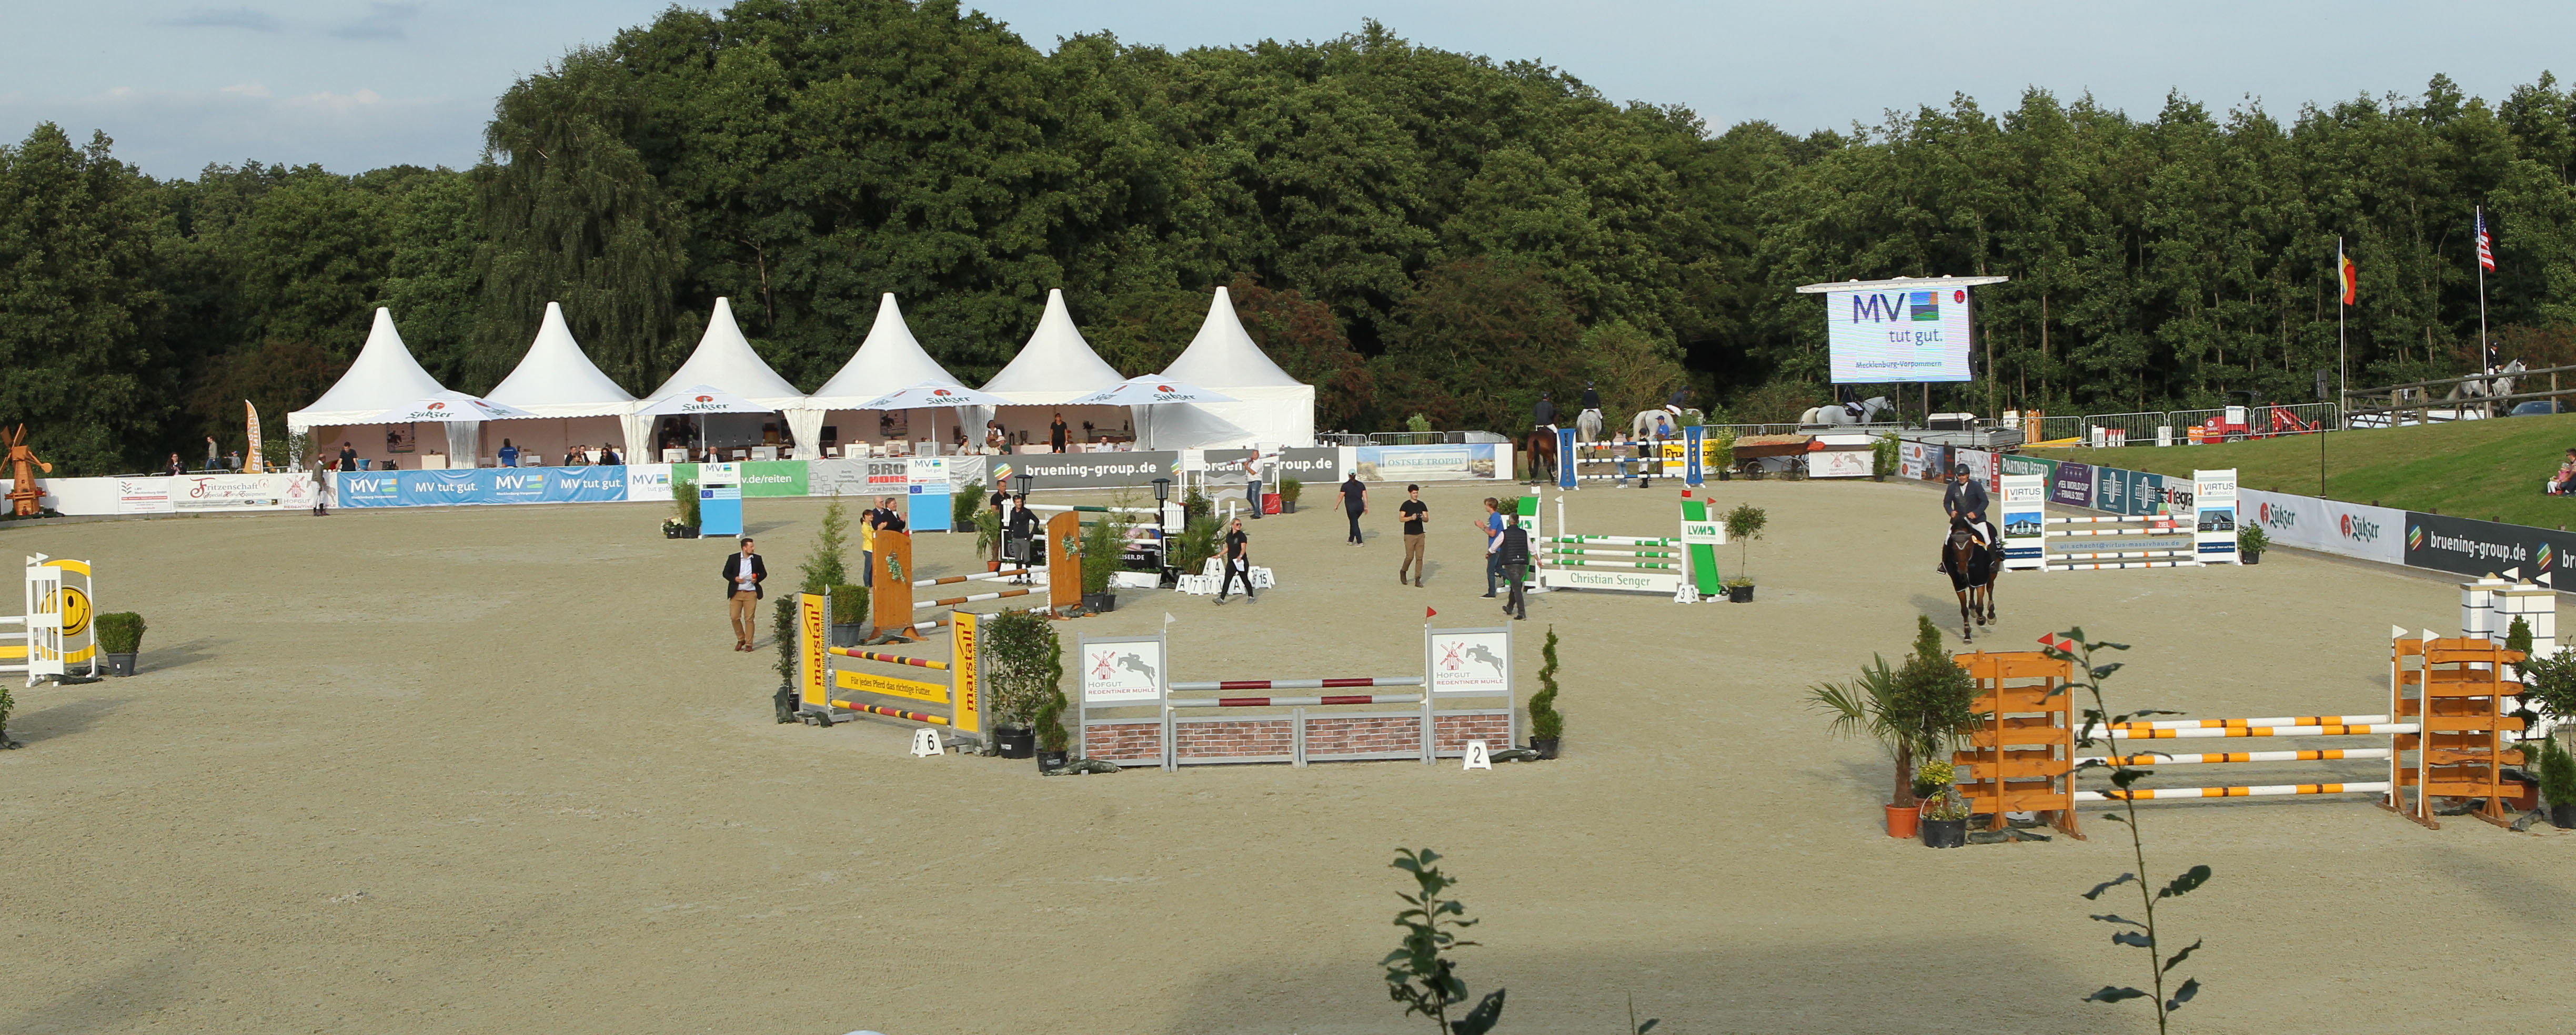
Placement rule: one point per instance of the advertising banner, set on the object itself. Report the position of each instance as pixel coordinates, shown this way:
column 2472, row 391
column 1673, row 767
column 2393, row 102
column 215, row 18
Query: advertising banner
column 1448, row 462
column 1880, row 336
column 2015, row 464
column 1839, row 463
column 648, row 483
column 490, row 486
column 1085, row 470
column 768, row 478
column 2327, row 526
column 2213, row 501
column 143, row 495
column 216, row 492
column 1914, row 461
column 2072, row 485
column 927, row 493
column 1316, row 466
column 886, row 476
column 847, row 479
column 1122, row 670
column 719, row 499
column 2481, row 547
column 2025, row 503
column 1471, row 661
column 1982, row 467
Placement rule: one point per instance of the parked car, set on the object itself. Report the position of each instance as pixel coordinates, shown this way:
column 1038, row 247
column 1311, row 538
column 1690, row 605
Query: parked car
column 2538, row 407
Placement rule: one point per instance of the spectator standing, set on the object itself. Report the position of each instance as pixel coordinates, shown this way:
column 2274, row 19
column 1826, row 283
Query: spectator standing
column 213, row 454
column 1355, row 504
column 1491, row 526
column 1416, row 514
column 232, row 461
column 321, row 490
column 509, row 454
column 348, row 455
column 1512, row 547
column 1238, row 563
column 1056, row 433
column 176, row 468
column 742, row 575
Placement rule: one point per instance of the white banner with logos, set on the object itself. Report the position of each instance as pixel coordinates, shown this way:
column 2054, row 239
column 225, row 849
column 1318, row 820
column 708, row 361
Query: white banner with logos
column 238, row 492
column 2330, row 526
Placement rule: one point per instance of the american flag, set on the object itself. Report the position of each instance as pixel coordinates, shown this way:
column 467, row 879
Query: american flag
column 2486, row 244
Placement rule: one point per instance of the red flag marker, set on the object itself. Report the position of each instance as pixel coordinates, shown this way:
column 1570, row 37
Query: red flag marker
column 1429, row 613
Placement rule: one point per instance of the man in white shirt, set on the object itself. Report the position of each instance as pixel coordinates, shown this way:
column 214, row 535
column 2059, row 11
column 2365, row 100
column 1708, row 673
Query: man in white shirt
column 742, row 574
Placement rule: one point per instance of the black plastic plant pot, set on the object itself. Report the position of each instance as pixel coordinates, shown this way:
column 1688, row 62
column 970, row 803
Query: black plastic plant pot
column 1739, row 594
column 1015, row 741
column 848, row 634
column 1545, row 746
column 1053, row 760
column 1945, row 833
column 120, row 664
column 2253, row 558
column 1100, row 603
column 2563, row 816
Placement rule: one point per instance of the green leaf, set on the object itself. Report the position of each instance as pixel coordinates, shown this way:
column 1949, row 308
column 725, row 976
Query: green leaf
column 2133, row 938
column 1482, row 1019
column 2123, row 777
column 2178, row 957
column 2183, row 995
column 2107, row 885
column 2115, row 918
column 2110, row 994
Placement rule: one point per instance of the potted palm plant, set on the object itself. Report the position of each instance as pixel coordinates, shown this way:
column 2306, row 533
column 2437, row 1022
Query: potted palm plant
column 683, row 522
column 120, row 637
column 1103, row 552
column 1911, row 710
column 1547, row 725
column 849, row 616
column 2251, row 542
column 988, row 537
column 1744, row 525
column 1288, row 490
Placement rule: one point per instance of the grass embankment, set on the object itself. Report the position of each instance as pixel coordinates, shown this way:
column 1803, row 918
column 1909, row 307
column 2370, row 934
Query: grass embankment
column 2486, row 469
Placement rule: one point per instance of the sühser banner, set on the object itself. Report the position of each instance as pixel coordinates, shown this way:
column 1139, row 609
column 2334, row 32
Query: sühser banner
column 2328, row 526
column 2479, row 547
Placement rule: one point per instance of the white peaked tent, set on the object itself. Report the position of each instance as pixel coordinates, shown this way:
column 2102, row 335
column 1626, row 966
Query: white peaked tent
column 383, row 377
column 1057, row 367
column 889, row 359
column 1271, row 408
column 724, row 359
column 555, row 379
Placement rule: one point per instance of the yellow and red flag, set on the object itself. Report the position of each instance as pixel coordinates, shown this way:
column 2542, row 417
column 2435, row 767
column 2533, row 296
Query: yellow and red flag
column 2351, row 279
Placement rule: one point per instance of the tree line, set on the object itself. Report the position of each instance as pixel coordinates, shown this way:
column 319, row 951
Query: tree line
column 1414, row 230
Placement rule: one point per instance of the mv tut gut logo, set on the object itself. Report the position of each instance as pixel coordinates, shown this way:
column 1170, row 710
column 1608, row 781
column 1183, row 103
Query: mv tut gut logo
column 1917, row 306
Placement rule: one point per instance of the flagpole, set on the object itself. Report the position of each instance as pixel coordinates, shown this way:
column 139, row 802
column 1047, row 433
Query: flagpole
column 2343, row 372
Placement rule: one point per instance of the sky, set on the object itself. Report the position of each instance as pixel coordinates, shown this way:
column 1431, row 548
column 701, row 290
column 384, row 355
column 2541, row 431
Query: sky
column 358, row 85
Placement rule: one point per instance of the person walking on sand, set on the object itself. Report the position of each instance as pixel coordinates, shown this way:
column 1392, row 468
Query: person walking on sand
column 321, row 490
column 1355, row 504
column 742, row 575
column 1238, row 563
column 1512, row 547
column 1491, row 527
column 1416, row 514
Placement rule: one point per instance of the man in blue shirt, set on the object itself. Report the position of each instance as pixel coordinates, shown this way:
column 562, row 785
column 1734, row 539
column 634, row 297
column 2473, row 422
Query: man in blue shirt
column 509, row 454
column 1491, row 525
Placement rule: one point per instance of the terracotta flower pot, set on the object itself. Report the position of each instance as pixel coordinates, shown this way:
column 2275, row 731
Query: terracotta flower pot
column 1903, row 820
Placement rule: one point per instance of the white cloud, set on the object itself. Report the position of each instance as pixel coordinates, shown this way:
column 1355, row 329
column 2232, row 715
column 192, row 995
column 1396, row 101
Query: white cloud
column 225, row 18
column 385, row 22
column 176, row 133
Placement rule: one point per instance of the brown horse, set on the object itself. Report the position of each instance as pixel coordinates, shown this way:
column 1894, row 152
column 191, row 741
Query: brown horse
column 1972, row 566
column 1540, row 448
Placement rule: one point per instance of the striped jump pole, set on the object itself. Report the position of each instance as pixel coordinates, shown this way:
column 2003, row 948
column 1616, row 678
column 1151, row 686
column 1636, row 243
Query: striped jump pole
column 2227, row 724
column 1611, row 540
column 2378, row 729
column 891, row 659
column 1299, row 684
column 1588, row 563
column 1614, row 551
column 2273, row 790
column 896, row 713
column 934, row 623
column 1293, row 702
column 980, row 576
column 953, row 601
column 2237, row 756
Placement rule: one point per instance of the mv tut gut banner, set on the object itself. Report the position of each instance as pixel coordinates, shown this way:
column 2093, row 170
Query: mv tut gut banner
column 482, row 487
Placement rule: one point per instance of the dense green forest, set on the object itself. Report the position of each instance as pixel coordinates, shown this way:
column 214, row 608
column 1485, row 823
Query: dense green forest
column 1415, row 230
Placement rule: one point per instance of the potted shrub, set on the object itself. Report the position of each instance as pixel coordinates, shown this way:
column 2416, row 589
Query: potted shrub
column 2251, row 542
column 1744, row 525
column 1104, row 545
column 1882, row 457
column 683, row 523
column 1023, row 662
column 962, row 508
column 849, row 615
column 1196, row 543
column 1288, row 490
column 1547, row 725
column 1725, row 456
column 988, row 537
column 1945, row 820
column 1053, row 742
column 1933, row 775
column 120, row 636
column 2558, row 784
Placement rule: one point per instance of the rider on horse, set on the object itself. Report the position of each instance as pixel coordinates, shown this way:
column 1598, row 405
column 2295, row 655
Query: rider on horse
column 1965, row 500
column 1591, row 416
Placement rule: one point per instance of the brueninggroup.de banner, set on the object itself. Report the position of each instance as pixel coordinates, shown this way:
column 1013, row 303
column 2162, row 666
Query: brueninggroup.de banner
column 2468, row 547
column 485, row 486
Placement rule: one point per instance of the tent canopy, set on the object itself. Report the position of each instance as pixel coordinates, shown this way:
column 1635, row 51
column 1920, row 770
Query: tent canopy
column 701, row 399
column 384, row 376
column 724, row 359
column 449, row 407
column 889, row 359
column 1056, row 366
column 556, row 380
column 1224, row 356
